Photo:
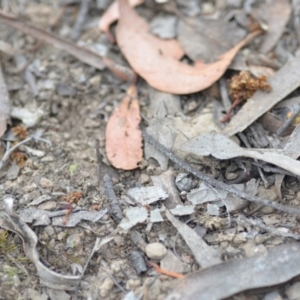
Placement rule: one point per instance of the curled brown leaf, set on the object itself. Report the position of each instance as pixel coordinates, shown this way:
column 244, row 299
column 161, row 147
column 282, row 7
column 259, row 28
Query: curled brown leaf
column 111, row 15
column 161, row 70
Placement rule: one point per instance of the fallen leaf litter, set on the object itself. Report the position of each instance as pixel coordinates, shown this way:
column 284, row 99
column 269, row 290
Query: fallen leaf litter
column 197, row 206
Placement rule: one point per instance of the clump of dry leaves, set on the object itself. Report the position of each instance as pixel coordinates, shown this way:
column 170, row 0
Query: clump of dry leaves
column 73, row 197
column 243, row 86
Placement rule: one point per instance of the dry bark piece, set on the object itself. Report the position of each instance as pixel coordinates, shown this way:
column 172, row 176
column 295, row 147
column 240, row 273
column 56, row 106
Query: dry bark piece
column 278, row 15
column 283, row 83
column 85, row 55
column 114, row 205
column 4, row 104
column 123, row 137
column 111, row 15
column 153, row 63
column 276, row 266
column 272, row 123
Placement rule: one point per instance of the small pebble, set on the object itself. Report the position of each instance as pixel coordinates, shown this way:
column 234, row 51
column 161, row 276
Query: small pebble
column 156, row 251
column 133, row 284
column 144, row 178
column 231, row 176
column 46, row 183
column 119, row 241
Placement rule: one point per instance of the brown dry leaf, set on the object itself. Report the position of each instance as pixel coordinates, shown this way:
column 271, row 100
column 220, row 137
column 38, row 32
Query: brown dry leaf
column 152, row 62
column 89, row 57
column 136, row 31
column 123, row 137
column 4, row 104
column 111, row 15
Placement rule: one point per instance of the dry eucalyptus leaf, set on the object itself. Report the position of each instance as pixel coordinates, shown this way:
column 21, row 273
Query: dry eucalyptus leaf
column 205, row 255
column 111, row 15
column 123, row 136
column 286, row 80
column 222, row 147
column 132, row 30
column 277, row 266
column 12, row 222
column 157, row 67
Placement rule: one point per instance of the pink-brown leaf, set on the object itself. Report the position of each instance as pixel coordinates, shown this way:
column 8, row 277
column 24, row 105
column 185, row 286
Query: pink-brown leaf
column 123, row 136
column 154, row 63
column 111, row 15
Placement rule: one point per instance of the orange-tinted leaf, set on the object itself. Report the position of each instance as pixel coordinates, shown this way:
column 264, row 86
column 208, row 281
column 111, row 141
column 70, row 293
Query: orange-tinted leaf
column 111, row 15
column 169, row 47
column 157, row 67
column 123, row 137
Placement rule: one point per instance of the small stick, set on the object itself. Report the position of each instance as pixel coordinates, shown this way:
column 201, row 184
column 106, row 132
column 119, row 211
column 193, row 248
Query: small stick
column 272, row 230
column 81, row 18
column 115, row 209
column 288, row 122
column 158, row 269
column 215, row 183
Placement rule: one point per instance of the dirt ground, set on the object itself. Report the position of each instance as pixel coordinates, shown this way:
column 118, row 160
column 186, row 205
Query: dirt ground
column 75, row 101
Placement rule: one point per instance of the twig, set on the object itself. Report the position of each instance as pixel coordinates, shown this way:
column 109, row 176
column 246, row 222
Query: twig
column 115, row 209
column 215, row 183
column 288, row 122
column 81, row 18
column 272, row 230
column 224, row 95
column 159, row 270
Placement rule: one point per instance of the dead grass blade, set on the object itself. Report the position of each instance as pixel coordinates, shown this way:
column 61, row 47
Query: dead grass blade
column 70, row 47
column 123, row 137
column 4, row 104
column 111, row 15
